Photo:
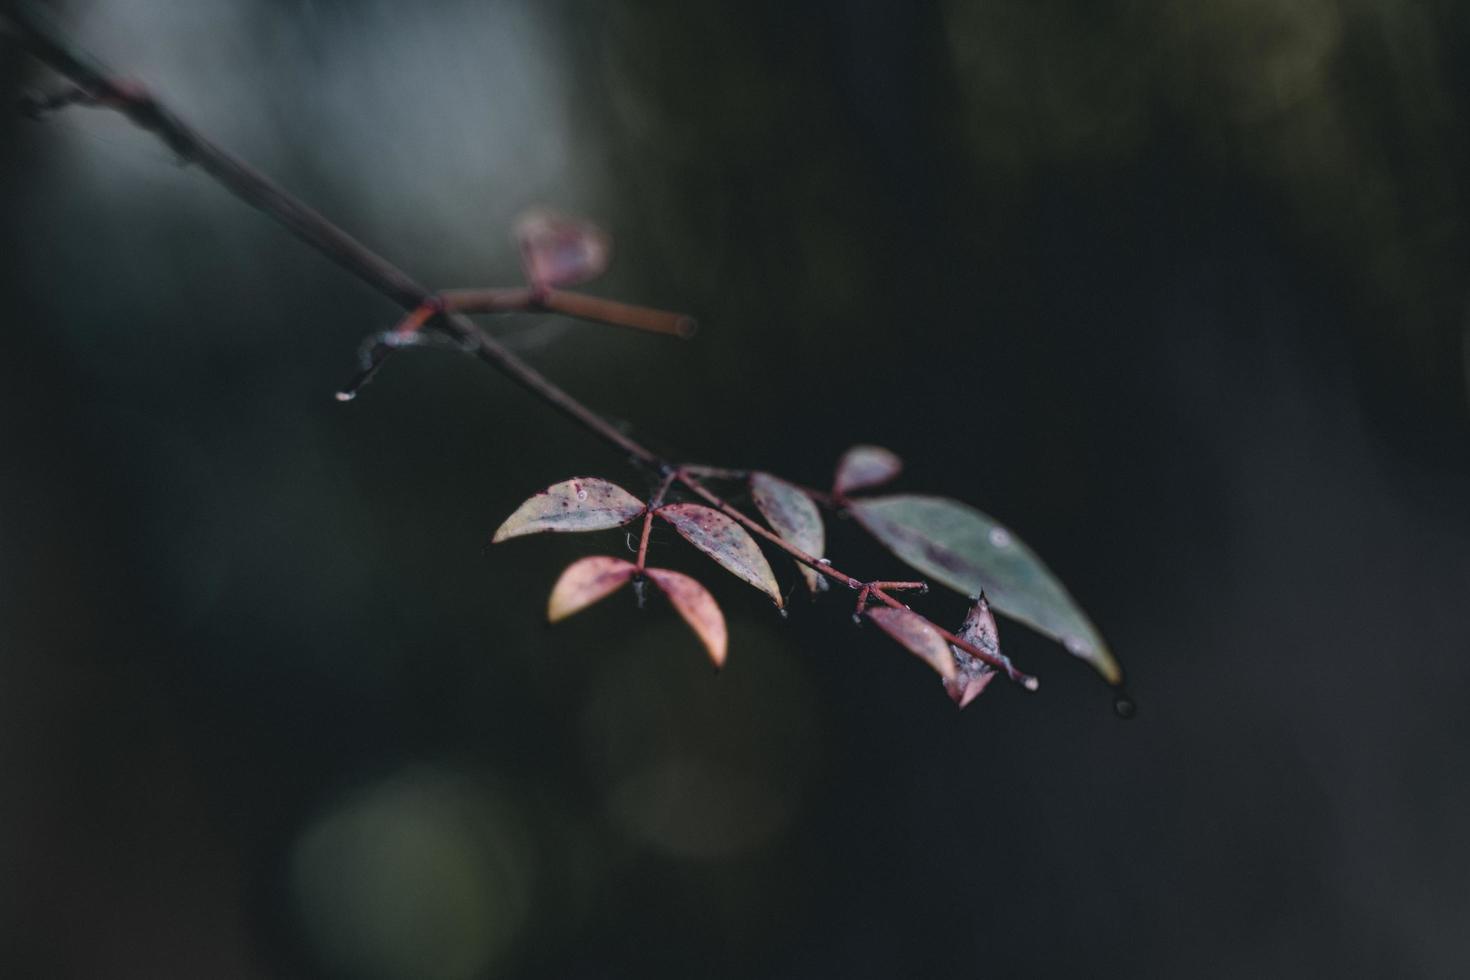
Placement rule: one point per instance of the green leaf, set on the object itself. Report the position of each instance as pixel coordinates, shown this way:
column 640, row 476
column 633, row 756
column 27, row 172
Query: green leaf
column 957, row 545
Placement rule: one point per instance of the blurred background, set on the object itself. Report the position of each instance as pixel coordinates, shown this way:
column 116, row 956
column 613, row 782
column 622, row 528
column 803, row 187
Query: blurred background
column 1178, row 291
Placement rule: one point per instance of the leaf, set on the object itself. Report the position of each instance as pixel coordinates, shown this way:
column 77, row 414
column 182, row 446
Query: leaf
column 865, row 466
column 726, row 542
column 793, row 515
column 916, row 634
column 968, row 551
column 560, row 251
column 974, row 674
column 698, row 608
column 579, row 504
column 584, row 582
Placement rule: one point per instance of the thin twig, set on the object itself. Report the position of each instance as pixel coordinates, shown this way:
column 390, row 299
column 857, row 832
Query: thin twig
column 40, row 34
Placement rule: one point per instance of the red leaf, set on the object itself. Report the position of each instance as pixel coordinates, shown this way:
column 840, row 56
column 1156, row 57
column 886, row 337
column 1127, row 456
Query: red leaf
column 559, row 251
column 917, row 635
column 579, row 504
column 698, row 608
column 794, row 516
column 726, row 542
column 865, row 466
column 974, row 674
column 584, row 582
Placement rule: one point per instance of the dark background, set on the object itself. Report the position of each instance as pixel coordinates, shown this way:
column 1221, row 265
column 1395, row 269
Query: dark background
column 1178, row 291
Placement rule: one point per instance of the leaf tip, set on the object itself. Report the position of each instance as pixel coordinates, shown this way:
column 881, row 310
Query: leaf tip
column 698, row 609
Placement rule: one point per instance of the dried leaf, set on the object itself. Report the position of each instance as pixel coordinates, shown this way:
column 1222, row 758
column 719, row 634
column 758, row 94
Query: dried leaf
column 584, row 582
column 725, row 541
column 865, row 466
column 560, row 251
column 968, row 551
column 578, row 504
column 698, row 608
column 794, row 516
column 974, row 674
column 916, row 634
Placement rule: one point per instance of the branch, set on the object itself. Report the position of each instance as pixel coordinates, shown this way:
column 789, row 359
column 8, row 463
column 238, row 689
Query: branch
column 96, row 85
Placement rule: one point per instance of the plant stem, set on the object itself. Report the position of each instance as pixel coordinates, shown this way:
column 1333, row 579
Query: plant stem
column 654, row 503
column 38, row 32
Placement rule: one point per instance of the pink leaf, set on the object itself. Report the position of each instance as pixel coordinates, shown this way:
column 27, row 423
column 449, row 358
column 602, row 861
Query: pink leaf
column 865, row 466
column 726, row 542
column 974, row 674
column 698, row 608
column 579, row 504
column 918, row 636
column 558, row 251
column 584, row 582
column 793, row 515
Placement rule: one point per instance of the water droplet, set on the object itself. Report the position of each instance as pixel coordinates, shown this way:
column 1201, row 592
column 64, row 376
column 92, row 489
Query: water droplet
column 1076, row 646
column 824, row 561
column 346, row 396
column 1124, row 706
column 581, row 494
column 1000, row 537
column 784, row 613
column 1031, row 684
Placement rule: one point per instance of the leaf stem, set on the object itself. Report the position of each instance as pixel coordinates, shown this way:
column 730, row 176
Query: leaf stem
column 654, row 503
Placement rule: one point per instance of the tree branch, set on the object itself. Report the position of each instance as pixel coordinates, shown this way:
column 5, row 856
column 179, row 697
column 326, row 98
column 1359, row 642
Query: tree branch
column 96, row 85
